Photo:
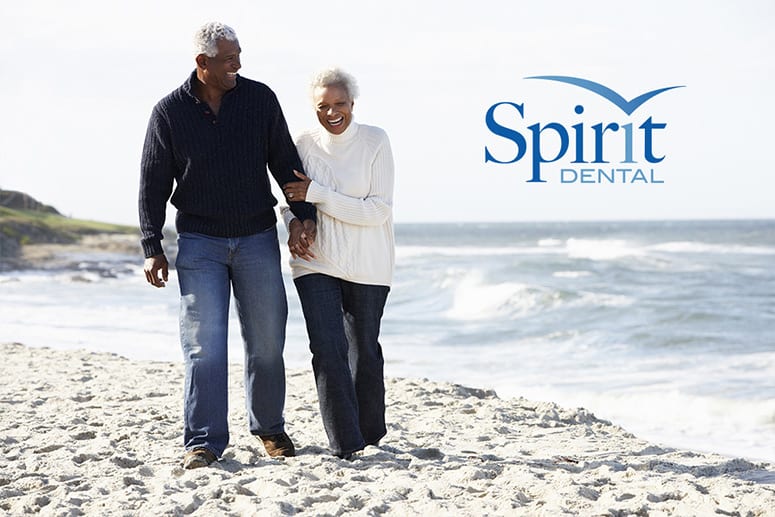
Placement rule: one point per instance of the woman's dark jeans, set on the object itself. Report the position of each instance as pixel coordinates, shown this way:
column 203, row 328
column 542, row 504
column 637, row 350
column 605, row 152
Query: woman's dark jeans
column 343, row 320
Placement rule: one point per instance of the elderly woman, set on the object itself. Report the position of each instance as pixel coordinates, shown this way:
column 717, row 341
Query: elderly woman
column 343, row 278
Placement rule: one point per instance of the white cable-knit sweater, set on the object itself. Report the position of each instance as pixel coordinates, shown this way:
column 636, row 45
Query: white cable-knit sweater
column 352, row 188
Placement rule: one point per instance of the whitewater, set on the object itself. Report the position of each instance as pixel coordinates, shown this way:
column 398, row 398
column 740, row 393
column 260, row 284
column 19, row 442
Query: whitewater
column 664, row 328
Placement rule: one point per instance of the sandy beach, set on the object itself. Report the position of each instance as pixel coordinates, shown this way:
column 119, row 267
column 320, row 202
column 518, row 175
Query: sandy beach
column 86, row 433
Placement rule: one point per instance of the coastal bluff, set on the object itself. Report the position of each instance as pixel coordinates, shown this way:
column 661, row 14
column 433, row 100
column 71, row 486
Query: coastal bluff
column 31, row 232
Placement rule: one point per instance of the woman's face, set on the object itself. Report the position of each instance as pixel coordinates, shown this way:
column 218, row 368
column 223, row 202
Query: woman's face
column 334, row 108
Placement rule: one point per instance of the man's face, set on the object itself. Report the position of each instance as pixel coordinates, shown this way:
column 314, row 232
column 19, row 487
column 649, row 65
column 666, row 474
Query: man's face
column 220, row 71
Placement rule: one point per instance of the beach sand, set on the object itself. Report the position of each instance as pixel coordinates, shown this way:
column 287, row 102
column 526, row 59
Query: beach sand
column 96, row 434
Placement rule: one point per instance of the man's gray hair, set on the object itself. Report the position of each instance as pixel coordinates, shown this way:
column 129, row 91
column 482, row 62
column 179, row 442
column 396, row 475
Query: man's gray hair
column 334, row 77
column 206, row 38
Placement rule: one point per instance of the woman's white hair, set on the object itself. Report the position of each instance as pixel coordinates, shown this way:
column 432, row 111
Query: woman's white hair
column 206, row 38
column 334, row 77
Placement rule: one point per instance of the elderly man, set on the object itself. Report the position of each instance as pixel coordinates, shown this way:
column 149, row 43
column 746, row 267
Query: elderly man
column 212, row 140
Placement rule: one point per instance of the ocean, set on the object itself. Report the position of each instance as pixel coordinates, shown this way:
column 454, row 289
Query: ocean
column 664, row 328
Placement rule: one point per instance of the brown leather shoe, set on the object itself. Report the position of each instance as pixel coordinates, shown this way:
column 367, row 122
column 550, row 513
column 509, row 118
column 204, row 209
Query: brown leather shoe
column 200, row 457
column 278, row 445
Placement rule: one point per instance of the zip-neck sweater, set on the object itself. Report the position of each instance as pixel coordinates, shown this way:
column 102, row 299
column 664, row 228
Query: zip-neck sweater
column 352, row 188
column 218, row 164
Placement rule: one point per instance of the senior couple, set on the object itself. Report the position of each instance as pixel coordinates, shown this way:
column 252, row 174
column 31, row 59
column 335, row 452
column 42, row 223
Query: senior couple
column 207, row 149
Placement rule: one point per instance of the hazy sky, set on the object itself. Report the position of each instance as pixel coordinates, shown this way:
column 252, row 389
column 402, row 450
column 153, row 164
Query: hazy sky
column 79, row 79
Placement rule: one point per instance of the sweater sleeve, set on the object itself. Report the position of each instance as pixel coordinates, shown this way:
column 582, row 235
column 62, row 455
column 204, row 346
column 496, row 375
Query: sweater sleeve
column 375, row 208
column 157, row 175
column 283, row 158
column 288, row 216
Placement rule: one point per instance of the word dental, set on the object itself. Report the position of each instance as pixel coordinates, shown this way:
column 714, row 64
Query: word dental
column 556, row 131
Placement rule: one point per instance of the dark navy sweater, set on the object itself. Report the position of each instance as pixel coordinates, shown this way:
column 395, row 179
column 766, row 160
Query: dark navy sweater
column 217, row 165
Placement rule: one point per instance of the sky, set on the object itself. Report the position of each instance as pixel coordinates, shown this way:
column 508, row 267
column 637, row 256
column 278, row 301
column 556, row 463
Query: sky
column 79, row 80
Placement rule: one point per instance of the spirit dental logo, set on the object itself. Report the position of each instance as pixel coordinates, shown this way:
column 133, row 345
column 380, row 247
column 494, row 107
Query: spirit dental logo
column 629, row 171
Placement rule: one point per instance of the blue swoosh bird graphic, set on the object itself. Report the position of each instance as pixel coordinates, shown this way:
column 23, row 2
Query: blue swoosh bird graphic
column 626, row 106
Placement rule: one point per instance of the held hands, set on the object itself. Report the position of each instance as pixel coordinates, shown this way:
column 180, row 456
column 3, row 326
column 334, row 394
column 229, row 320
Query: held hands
column 300, row 235
column 300, row 238
column 153, row 266
column 297, row 190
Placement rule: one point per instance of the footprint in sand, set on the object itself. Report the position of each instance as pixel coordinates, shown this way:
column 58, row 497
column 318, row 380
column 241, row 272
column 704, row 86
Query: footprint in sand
column 85, row 435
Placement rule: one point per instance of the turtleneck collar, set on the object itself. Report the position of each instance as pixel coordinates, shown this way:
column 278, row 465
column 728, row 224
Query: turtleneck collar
column 347, row 135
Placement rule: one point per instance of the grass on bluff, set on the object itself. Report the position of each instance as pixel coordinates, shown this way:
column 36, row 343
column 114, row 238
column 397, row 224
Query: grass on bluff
column 34, row 227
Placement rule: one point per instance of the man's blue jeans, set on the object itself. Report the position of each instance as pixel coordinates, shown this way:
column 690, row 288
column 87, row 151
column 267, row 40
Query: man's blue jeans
column 207, row 268
column 343, row 322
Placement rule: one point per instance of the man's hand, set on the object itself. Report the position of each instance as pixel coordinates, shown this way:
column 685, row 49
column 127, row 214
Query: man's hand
column 152, row 267
column 300, row 238
column 310, row 231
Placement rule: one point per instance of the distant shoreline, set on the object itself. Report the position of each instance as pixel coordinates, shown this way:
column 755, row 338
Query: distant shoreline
column 32, row 233
column 48, row 256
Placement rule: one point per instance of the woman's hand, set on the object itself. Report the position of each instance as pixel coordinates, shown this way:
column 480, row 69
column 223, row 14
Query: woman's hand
column 297, row 190
column 300, row 238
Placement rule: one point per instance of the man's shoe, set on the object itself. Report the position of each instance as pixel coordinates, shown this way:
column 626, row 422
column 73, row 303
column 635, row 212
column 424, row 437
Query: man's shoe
column 199, row 457
column 278, row 445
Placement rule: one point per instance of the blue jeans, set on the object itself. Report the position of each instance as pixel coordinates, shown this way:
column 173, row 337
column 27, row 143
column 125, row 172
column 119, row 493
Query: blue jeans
column 208, row 268
column 343, row 321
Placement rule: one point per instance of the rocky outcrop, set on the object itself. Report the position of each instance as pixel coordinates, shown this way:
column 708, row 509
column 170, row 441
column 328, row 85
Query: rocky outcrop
column 26, row 223
column 9, row 247
column 21, row 201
